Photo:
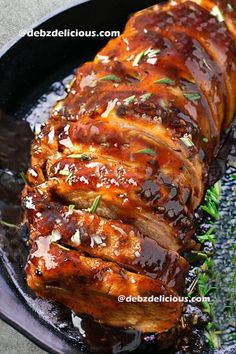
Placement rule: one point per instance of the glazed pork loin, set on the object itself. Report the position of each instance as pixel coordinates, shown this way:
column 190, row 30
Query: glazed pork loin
column 122, row 164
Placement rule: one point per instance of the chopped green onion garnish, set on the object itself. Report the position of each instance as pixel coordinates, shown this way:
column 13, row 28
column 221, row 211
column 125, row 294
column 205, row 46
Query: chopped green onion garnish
column 165, row 80
column 187, row 141
column 205, row 140
column 71, row 207
column 129, row 99
column 146, row 151
column 145, row 97
column 111, row 77
column 95, row 204
column 192, row 96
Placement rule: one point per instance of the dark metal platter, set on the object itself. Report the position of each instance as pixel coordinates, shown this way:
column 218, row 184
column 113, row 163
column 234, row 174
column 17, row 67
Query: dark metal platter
column 34, row 73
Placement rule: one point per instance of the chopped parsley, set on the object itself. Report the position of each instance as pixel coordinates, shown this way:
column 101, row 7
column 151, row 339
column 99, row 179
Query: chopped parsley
column 24, row 178
column 192, row 96
column 146, row 151
column 111, row 77
column 138, row 58
column 95, row 205
column 69, row 178
column 150, row 53
column 129, row 99
column 165, row 80
column 68, row 175
column 145, row 97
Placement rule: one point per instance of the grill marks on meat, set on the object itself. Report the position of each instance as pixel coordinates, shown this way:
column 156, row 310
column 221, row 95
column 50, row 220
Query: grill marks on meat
column 139, row 127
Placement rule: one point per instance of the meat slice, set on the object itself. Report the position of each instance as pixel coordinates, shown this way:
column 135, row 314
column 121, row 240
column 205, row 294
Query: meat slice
column 122, row 188
column 92, row 286
column 207, row 27
column 162, row 196
column 120, row 147
column 107, row 239
column 151, row 224
column 121, row 166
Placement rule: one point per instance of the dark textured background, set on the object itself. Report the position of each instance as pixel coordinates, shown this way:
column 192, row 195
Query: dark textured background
column 14, row 16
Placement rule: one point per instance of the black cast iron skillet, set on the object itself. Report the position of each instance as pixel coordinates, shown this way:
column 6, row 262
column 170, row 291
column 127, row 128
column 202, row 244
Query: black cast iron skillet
column 32, row 72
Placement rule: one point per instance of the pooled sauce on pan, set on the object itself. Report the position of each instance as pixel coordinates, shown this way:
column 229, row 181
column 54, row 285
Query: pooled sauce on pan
column 16, row 137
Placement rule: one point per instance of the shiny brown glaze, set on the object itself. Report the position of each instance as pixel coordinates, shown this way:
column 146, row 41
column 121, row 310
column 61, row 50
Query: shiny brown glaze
column 140, row 126
column 107, row 239
column 94, row 286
